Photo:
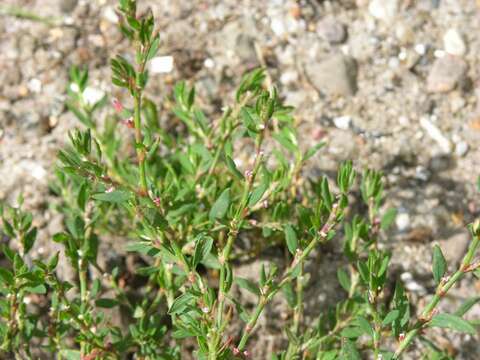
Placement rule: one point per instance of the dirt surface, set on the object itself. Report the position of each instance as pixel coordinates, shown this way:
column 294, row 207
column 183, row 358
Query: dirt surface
column 391, row 84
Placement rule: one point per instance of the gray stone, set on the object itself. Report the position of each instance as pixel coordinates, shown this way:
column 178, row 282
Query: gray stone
column 446, row 73
column 455, row 246
column 68, row 5
column 332, row 30
column 336, row 75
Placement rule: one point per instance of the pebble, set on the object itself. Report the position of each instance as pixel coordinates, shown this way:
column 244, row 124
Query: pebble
column 402, row 221
column 110, row 15
column 67, row 6
column 161, row 64
column 454, row 247
column 454, row 43
column 336, row 75
column 332, row 30
column 35, row 85
column 411, row 284
column 446, row 73
column 385, row 10
column 461, row 148
column 343, row 122
column 436, row 134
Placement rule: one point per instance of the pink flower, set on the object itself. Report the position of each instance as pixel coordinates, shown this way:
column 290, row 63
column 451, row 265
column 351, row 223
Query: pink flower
column 129, row 123
column 117, row 105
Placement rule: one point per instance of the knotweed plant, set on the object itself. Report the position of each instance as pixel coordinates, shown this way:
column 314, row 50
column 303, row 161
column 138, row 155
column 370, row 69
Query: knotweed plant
column 183, row 203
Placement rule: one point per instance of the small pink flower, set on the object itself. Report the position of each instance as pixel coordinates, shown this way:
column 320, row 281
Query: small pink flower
column 157, row 201
column 110, row 189
column 129, row 123
column 236, row 352
column 117, row 105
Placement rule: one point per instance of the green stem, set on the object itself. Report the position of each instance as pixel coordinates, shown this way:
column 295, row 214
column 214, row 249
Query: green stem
column 137, row 119
column 252, row 322
column 292, row 349
column 441, row 291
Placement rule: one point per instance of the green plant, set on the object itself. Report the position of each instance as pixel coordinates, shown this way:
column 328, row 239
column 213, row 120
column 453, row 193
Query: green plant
column 184, row 204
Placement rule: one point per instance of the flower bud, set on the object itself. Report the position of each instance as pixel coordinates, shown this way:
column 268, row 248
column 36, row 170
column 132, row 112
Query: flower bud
column 117, row 105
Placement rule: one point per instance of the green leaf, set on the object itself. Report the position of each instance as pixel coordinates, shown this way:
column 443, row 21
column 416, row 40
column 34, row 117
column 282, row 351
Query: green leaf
column 233, row 168
column 467, row 305
column 248, row 285
column 388, row 218
column 70, row 354
column 38, row 289
column 181, row 303
column 106, row 303
column 203, row 246
column 343, row 279
column 352, row 332
column 257, row 194
column 6, row 276
column 8, row 229
column 220, row 207
column 29, row 239
column 391, row 317
column 312, row 151
column 291, row 239
column 349, row 351
column 439, row 265
column 453, row 322
column 153, row 48
column 115, row 196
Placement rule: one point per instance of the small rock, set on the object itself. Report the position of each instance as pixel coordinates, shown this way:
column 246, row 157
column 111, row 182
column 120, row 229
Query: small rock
column 454, row 43
column 67, row 6
column 332, row 30
column 245, row 48
column 455, row 246
column 402, row 221
column 343, row 122
column 336, row 75
column 447, row 72
column 436, row 134
column 385, row 10
column 461, row 148
column 161, row 64
column 411, row 284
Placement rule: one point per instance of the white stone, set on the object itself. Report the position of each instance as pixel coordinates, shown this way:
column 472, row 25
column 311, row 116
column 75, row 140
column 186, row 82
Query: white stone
column 454, row 43
column 92, row 95
column 421, row 49
column 110, row 15
column 384, row 10
column 461, row 148
column 35, row 85
column 402, row 221
column 209, row 63
column 161, row 64
column 436, row 134
column 343, row 122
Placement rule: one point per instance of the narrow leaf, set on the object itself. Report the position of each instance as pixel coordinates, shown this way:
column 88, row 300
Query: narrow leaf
column 220, row 207
column 439, row 265
column 291, row 239
column 453, row 322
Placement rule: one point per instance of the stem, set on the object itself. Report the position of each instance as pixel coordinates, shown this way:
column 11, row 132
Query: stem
column 137, row 119
column 298, row 259
column 441, row 291
column 82, row 269
column 252, row 322
column 297, row 314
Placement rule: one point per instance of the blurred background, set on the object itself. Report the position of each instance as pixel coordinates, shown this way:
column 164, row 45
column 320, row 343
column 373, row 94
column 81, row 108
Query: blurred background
column 390, row 84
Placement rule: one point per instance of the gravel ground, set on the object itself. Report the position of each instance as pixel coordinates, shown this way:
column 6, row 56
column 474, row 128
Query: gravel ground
column 391, row 84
